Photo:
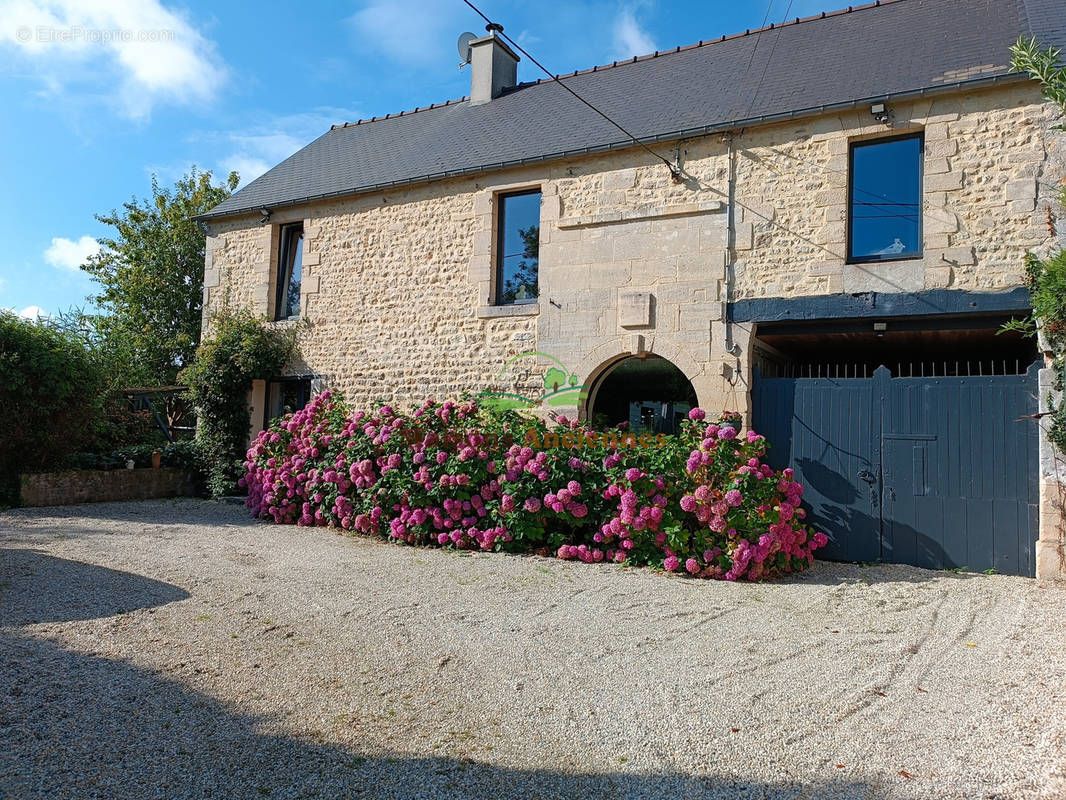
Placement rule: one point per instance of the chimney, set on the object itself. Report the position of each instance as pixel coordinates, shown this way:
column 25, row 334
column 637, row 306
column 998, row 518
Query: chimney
column 494, row 67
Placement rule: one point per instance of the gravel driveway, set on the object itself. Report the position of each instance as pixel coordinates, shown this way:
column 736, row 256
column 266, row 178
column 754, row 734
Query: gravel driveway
column 178, row 649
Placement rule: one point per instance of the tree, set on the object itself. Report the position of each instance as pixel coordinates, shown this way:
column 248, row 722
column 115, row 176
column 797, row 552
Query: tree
column 553, row 379
column 1042, row 65
column 151, row 277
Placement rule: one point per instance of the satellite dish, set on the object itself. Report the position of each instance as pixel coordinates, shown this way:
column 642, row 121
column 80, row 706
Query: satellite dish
column 464, row 48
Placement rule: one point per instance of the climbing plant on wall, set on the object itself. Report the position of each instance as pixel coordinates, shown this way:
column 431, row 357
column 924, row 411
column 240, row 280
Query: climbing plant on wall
column 239, row 349
column 1046, row 277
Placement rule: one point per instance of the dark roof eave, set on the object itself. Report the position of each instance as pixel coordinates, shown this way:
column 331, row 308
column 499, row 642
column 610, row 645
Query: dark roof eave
column 705, row 130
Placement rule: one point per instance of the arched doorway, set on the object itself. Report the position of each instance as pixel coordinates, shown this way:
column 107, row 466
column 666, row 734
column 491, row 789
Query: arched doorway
column 649, row 393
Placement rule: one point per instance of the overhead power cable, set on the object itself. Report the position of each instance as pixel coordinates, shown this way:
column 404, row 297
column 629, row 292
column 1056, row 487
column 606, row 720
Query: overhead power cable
column 769, row 58
column 751, row 58
column 675, row 170
column 497, row 28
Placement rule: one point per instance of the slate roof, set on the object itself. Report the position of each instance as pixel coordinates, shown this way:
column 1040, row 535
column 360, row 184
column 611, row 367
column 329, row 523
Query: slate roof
column 889, row 48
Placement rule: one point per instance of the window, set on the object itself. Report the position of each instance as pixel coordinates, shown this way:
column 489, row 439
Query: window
column 517, row 247
column 285, row 396
column 290, row 271
column 885, row 199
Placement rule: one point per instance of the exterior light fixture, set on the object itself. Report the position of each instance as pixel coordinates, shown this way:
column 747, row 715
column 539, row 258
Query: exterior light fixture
column 880, row 113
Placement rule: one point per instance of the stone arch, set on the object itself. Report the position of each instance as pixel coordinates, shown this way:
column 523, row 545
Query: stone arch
column 614, row 350
column 646, row 390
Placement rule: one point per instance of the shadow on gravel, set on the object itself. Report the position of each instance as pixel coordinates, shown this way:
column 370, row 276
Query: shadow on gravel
column 78, row 726
column 37, row 587
column 167, row 512
column 71, row 522
column 839, row 573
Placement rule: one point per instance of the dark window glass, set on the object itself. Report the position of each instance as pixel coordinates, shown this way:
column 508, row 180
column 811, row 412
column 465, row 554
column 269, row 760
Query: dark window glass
column 290, row 271
column 286, row 396
column 517, row 247
column 885, row 199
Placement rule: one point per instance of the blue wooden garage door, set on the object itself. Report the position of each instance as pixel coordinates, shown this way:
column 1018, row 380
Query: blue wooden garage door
column 936, row 472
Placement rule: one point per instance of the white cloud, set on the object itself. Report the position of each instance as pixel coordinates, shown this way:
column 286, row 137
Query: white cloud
column 70, row 255
column 247, row 167
column 410, row 31
column 146, row 52
column 266, row 141
column 33, row 313
column 255, row 153
column 629, row 38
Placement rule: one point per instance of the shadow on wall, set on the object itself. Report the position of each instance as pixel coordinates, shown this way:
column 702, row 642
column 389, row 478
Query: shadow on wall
column 857, row 536
column 79, row 726
column 834, row 503
column 829, row 483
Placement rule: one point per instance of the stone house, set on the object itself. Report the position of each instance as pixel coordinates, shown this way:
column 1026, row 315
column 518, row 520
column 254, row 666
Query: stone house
column 821, row 225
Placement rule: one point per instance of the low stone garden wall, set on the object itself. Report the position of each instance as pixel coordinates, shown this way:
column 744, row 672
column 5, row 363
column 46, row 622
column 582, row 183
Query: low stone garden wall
column 97, row 486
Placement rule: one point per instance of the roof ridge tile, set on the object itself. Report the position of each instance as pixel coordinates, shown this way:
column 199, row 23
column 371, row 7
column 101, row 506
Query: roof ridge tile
column 636, row 59
column 393, row 115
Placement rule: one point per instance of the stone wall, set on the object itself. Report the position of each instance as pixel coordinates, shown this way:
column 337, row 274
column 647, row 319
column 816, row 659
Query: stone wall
column 390, row 308
column 397, row 285
column 1051, row 544
column 98, row 486
column 985, row 158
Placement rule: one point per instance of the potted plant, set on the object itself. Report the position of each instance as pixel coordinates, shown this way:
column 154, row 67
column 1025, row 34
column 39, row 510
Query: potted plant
column 731, row 419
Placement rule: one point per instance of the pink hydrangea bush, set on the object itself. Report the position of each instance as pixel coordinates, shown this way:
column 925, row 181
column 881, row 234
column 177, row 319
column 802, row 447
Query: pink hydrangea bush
column 427, row 478
column 749, row 519
column 701, row 503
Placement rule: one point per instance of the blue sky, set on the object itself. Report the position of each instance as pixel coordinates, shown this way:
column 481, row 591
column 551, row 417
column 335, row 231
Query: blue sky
column 101, row 94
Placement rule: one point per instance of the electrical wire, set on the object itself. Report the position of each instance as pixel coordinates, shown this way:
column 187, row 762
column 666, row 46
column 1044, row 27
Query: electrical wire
column 825, row 169
column 912, row 217
column 769, row 58
column 860, row 203
column 496, row 27
column 751, row 58
column 675, row 169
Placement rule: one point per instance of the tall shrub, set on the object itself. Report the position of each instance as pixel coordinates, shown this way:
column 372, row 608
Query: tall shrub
column 51, row 394
column 241, row 349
